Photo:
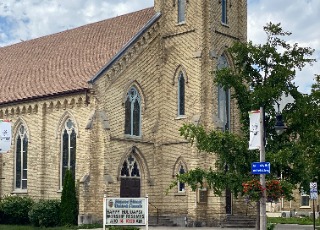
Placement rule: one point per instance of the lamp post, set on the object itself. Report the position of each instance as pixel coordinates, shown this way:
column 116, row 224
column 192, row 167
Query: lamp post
column 263, row 219
column 280, row 128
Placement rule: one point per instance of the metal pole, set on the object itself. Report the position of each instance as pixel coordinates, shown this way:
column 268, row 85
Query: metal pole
column 147, row 212
column 263, row 219
column 314, row 216
column 104, row 211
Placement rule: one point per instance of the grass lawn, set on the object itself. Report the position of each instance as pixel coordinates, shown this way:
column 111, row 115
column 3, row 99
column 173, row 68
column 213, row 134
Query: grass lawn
column 293, row 220
column 28, row 227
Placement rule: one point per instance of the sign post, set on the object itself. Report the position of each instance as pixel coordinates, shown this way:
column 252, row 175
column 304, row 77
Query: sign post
column 313, row 197
column 125, row 211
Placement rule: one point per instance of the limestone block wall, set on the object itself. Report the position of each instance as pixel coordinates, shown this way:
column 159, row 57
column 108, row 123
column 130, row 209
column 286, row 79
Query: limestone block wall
column 44, row 120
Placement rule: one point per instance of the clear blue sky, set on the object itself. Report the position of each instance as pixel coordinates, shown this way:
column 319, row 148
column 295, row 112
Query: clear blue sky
column 27, row 19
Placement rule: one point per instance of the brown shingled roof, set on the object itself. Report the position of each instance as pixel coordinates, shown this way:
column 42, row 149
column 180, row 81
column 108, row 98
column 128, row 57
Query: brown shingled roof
column 66, row 61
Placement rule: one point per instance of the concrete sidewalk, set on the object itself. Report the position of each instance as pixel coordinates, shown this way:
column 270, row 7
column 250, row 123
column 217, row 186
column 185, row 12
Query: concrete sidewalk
column 278, row 227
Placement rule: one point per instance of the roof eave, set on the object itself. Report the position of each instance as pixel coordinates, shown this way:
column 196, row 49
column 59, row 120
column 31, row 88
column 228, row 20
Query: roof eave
column 125, row 48
column 39, row 97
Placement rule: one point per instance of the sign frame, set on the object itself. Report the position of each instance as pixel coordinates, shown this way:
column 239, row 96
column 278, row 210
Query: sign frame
column 125, row 211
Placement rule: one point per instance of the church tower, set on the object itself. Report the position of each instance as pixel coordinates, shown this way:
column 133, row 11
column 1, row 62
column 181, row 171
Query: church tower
column 195, row 36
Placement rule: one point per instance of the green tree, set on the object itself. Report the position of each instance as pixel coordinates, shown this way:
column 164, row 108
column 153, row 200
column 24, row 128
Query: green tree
column 259, row 76
column 69, row 203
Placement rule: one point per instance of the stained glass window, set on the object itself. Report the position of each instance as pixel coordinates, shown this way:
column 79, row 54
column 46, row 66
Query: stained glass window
column 130, row 167
column 21, row 159
column 68, row 161
column 133, row 113
column 181, row 185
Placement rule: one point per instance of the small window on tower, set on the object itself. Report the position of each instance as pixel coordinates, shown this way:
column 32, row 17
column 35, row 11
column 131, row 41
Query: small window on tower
column 224, row 12
column 181, row 11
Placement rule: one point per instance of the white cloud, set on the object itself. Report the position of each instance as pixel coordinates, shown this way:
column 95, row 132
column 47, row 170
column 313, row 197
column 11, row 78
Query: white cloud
column 34, row 18
column 27, row 19
column 301, row 17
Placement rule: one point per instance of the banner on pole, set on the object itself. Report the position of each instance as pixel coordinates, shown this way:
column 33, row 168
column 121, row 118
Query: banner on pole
column 313, row 191
column 5, row 135
column 255, row 140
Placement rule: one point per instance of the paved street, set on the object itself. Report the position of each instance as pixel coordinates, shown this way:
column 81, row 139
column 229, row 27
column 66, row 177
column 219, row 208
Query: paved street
column 278, row 227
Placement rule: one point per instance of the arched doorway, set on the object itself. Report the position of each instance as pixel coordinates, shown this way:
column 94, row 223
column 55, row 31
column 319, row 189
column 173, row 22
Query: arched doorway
column 130, row 178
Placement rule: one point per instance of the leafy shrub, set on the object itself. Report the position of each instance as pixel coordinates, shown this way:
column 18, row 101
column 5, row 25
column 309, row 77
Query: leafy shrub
column 69, row 203
column 15, row 209
column 271, row 226
column 45, row 213
column 90, row 226
column 1, row 214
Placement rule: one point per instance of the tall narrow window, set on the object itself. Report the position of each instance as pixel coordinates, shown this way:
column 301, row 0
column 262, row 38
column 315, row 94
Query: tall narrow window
column 305, row 199
column 181, row 11
column 21, row 158
column 181, row 186
column 223, row 98
column 224, row 12
column 181, row 95
column 133, row 113
column 68, row 161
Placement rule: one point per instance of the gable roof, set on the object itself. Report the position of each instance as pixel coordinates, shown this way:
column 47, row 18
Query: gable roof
column 64, row 62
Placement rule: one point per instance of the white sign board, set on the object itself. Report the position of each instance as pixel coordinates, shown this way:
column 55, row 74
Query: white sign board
column 125, row 211
column 255, row 140
column 313, row 191
column 5, row 136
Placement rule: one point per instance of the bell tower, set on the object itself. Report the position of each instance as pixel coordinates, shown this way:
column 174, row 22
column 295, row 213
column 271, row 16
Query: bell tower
column 193, row 39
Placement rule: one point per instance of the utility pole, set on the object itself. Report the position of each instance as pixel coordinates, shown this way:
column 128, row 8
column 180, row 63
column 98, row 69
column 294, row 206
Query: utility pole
column 263, row 219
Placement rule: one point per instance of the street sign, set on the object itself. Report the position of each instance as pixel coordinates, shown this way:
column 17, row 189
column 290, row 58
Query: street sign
column 260, row 168
column 313, row 191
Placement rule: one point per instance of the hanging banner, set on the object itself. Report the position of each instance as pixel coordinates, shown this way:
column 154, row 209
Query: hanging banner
column 255, row 140
column 5, row 136
column 313, row 191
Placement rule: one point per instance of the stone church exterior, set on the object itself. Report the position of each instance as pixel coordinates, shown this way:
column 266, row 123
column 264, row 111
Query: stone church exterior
column 106, row 100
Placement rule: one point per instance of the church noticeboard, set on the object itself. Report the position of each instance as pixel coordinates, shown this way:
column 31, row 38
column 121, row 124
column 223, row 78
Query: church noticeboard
column 125, row 211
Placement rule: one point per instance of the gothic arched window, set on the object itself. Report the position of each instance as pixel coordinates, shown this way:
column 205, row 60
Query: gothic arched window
column 181, row 186
column 68, row 158
column 21, row 170
column 130, row 167
column 133, row 113
column 223, row 98
column 181, row 95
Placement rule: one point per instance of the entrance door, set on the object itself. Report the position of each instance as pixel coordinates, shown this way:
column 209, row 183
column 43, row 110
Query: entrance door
column 130, row 187
column 228, row 201
column 130, row 178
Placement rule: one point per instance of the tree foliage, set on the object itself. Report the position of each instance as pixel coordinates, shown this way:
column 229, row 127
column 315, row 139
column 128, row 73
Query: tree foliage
column 260, row 75
column 69, row 203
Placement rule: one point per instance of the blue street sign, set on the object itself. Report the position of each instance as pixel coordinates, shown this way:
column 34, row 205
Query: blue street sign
column 260, row 168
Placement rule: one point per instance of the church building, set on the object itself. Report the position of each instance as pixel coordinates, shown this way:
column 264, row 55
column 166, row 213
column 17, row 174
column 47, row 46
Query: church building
column 106, row 101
